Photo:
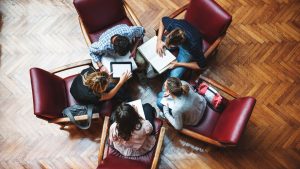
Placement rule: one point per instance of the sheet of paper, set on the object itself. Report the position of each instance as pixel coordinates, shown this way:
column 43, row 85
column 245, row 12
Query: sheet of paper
column 119, row 69
column 139, row 106
column 107, row 59
column 148, row 50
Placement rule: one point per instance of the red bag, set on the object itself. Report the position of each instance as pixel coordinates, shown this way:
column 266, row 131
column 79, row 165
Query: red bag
column 211, row 95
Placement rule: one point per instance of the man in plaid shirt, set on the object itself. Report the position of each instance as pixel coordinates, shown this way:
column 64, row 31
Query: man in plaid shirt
column 116, row 41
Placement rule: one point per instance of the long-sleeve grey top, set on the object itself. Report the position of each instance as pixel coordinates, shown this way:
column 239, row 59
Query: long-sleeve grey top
column 186, row 109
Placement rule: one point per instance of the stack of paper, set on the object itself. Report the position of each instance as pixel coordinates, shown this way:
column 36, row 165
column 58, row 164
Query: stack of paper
column 139, row 106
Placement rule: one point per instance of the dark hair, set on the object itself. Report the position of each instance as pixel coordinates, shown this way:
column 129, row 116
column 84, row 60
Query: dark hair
column 121, row 45
column 127, row 120
column 175, row 37
column 175, row 86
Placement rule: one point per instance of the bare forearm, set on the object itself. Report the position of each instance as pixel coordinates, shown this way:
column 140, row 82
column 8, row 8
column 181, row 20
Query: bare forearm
column 112, row 92
column 160, row 31
column 137, row 43
column 190, row 65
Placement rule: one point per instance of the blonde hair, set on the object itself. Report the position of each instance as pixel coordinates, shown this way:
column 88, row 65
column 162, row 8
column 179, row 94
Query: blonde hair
column 176, row 88
column 175, row 37
column 96, row 81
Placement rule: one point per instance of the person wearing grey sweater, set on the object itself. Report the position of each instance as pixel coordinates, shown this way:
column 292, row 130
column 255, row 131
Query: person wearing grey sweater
column 180, row 104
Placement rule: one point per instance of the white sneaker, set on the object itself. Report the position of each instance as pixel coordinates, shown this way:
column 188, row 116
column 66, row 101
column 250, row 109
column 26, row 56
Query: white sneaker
column 150, row 72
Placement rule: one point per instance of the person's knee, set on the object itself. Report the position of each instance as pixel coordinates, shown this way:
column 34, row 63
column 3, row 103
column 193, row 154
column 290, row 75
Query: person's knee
column 177, row 73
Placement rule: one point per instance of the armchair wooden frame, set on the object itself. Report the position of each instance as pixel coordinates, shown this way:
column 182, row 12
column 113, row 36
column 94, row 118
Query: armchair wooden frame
column 87, row 62
column 200, row 136
column 128, row 10
column 212, row 47
column 105, row 133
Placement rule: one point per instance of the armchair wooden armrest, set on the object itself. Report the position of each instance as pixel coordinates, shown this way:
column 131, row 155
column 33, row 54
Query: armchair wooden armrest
column 84, row 32
column 178, row 11
column 77, row 118
column 103, row 138
column 132, row 14
column 200, row 137
column 213, row 46
column 158, row 148
column 72, row 65
column 220, row 86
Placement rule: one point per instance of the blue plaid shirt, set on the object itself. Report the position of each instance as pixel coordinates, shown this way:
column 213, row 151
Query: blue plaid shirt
column 103, row 46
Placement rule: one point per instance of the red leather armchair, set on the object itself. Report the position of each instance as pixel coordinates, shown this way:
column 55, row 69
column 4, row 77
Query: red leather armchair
column 114, row 160
column 210, row 19
column 225, row 128
column 96, row 16
column 51, row 94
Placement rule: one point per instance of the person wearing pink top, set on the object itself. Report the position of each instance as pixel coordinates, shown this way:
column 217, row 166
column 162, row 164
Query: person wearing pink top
column 130, row 134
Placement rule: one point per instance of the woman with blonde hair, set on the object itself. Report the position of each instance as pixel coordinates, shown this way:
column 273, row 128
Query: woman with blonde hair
column 92, row 87
column 180, row 104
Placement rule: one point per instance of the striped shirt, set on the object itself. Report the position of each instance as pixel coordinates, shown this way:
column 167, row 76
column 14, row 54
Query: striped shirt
column 104, row 47
column 193, row 38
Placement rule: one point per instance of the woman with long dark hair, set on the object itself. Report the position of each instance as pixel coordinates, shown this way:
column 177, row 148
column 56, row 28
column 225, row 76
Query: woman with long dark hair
column 130, row 134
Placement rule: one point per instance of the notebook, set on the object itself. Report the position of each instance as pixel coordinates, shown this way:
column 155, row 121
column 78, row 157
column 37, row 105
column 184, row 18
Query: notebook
column 107, row 59
column 139, row 106
column 118, row 68
column 160, row 64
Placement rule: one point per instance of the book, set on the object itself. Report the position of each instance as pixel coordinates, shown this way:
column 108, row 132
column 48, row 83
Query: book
column 148, row 50
column 106, row 60
column 139, row 106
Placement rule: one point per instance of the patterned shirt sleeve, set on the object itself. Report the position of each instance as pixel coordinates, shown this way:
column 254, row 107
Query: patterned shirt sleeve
column 96, row 52
column 136, row 31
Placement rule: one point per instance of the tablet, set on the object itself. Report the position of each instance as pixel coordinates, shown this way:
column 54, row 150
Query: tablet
column 118, row 68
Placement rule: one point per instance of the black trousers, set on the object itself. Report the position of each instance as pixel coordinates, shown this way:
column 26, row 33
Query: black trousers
column 150, row 114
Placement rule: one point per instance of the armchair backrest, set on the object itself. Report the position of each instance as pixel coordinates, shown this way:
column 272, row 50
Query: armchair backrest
column 209, row 18
column 98, row 14
column 48, row 92
column 233, row 120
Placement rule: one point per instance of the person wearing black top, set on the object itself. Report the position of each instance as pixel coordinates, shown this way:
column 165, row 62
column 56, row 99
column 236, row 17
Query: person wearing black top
column 188, row 39
column 92, row 87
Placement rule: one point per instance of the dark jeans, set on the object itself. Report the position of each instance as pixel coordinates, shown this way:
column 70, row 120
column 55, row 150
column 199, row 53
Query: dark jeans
column 149, row 114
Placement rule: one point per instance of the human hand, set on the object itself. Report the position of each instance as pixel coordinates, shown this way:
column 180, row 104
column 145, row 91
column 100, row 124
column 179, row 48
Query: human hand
column 173, row 65
column 125, row 76
column 160, row 45
column 133, row 53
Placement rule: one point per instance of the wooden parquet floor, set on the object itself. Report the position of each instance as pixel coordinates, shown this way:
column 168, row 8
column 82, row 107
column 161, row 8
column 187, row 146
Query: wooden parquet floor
column 260, row 57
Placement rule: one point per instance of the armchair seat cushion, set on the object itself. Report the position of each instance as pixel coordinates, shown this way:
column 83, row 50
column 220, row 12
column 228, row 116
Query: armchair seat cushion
column 95, row 35
column 207, row 123
column 205, row 46
column 114, row 162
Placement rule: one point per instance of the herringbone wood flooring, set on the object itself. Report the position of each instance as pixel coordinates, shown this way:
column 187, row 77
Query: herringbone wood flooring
column 259, row 57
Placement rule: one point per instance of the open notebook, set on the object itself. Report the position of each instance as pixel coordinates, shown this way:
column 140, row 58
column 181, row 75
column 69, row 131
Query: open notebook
column 148, row 50
column 139, row 106
column 106, row 61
